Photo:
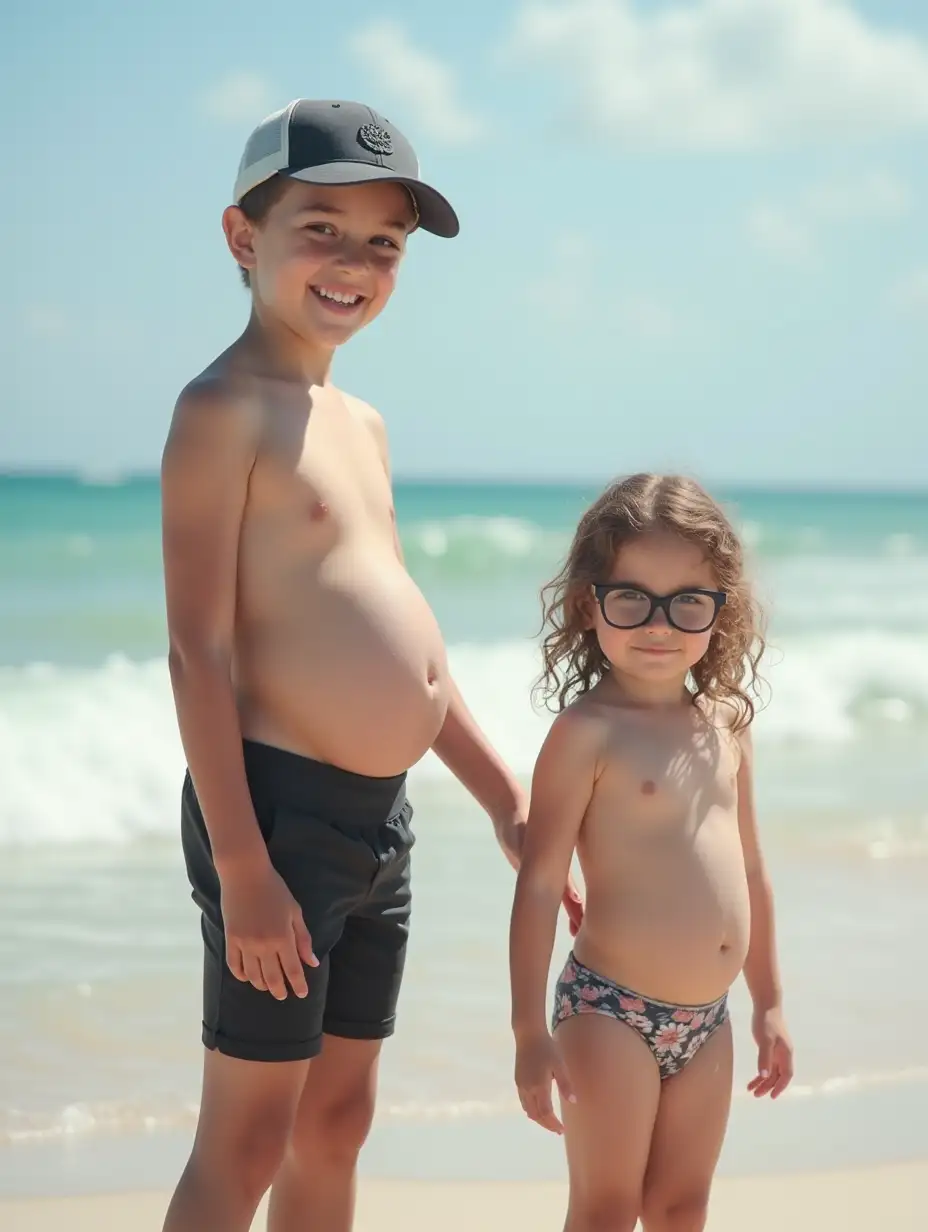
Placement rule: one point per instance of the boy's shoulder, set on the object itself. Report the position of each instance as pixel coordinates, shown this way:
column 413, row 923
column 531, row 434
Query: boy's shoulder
column 368, row 415
column 223, row 390
column 217, row 414
column 372, row 421
column 221, row 382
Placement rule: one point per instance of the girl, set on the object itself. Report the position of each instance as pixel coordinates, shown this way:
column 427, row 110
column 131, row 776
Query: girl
column 652, row 654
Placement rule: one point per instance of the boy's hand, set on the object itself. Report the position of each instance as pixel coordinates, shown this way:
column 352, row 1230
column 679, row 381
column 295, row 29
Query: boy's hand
column 774, row 1054
column 267, row 942
column 573, row 905
column 510, row 834
column 538, row 1064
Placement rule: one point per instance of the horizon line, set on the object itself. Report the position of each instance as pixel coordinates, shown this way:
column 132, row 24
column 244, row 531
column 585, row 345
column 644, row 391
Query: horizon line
column 117, row 477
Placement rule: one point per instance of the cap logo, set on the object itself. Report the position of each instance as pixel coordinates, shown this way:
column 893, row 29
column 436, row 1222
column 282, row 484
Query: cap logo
column 375, row 139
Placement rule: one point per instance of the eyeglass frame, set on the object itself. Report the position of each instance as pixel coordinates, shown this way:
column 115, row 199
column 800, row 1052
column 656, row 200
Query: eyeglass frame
column 602, row 590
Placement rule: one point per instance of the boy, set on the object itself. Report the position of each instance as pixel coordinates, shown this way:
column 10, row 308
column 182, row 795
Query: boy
column 308, row 673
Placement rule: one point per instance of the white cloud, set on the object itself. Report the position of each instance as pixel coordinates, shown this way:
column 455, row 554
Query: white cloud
column 238, row 98
column 646, row 317
column 910, row 294
column 727, row 75
column 778, row 232
column 792, row 230
column 418, row 80
column 46, row 321
column 874, row 196
column 569, row 293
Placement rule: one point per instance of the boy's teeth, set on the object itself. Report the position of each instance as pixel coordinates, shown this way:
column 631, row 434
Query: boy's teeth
column 338, row 296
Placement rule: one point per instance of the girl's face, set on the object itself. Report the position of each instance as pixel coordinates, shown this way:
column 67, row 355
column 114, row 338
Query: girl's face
column 656, row 565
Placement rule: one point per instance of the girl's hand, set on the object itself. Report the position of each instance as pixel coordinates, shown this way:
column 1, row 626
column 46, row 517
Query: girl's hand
column 538, row 1064
column 774, row 1054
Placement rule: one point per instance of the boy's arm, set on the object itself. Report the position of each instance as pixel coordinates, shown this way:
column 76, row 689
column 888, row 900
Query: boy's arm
column 461, row 744
column 204, row 478
column 761, row 967
column 562, row 787
column 471, row 758
column 464, row 748
column 205, row 471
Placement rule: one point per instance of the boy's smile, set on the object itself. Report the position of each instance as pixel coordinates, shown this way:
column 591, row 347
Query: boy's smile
column 339, row 300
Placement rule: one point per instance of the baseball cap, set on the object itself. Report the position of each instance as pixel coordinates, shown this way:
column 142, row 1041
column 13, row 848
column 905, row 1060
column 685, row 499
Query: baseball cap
column 324, row 142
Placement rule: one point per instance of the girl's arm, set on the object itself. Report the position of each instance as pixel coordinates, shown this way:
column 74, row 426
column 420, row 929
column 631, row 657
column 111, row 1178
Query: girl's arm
column 562, row 785
column 761, row 967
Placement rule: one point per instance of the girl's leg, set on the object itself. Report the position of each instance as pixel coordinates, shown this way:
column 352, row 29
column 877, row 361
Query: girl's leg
column 608, row 1130
column 688, row 1135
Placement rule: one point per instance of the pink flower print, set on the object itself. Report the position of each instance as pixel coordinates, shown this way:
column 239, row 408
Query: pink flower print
column 682, row 1015
column 698, row 1020
column 669, row 1038
column 590, row 994
column 569, row 974
column 640, row 1023
column 584, row 1007
column 564, row 1008
column 632, row 1005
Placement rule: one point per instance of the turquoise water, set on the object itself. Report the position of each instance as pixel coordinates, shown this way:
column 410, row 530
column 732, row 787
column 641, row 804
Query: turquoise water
column 99, row 947
column 80, row 562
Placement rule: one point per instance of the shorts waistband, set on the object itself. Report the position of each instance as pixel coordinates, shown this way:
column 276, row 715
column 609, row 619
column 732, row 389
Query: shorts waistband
column 277, row 777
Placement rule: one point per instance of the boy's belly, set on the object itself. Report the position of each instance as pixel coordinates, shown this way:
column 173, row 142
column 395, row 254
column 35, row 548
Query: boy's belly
column 678, row 934
column 345, row 664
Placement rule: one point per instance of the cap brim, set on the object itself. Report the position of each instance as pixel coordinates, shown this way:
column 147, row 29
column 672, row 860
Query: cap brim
column 435, row 213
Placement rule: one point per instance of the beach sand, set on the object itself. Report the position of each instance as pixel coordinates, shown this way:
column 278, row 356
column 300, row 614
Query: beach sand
column 888, row 1197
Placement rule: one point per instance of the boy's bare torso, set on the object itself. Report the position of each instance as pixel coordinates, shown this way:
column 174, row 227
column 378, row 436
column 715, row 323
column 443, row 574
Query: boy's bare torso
column 667, row 910
column 337, row 655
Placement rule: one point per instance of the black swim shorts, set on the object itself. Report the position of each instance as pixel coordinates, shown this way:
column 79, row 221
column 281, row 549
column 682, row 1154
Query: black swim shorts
column 342, row 844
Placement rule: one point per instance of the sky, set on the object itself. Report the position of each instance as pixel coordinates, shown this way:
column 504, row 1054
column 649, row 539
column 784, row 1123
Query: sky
column 693, row 231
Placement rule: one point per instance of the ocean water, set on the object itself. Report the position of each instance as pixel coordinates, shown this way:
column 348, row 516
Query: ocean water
column 99, row 943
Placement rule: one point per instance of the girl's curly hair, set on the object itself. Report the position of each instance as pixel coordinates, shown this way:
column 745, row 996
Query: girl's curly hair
column 573, row 659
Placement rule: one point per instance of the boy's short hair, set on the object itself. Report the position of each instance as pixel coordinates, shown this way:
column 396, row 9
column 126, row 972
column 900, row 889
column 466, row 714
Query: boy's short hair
column 258, row 203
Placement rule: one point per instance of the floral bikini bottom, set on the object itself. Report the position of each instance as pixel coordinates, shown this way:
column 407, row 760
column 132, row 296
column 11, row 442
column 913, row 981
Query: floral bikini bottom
column 674, row 1033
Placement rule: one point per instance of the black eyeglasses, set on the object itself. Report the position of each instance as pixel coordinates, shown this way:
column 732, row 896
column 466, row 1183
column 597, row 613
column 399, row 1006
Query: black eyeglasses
column 629, row 607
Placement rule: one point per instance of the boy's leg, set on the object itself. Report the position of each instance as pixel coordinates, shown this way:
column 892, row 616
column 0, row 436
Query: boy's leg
column 608, row 1130
column 688, row 1136
column 316, row 1184
column 246, row 1116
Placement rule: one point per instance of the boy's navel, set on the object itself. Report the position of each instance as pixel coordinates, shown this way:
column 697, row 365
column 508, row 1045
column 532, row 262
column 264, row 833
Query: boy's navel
column 648, row 787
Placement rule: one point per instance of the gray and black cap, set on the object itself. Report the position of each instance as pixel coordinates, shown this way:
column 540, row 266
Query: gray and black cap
column 323, row 142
